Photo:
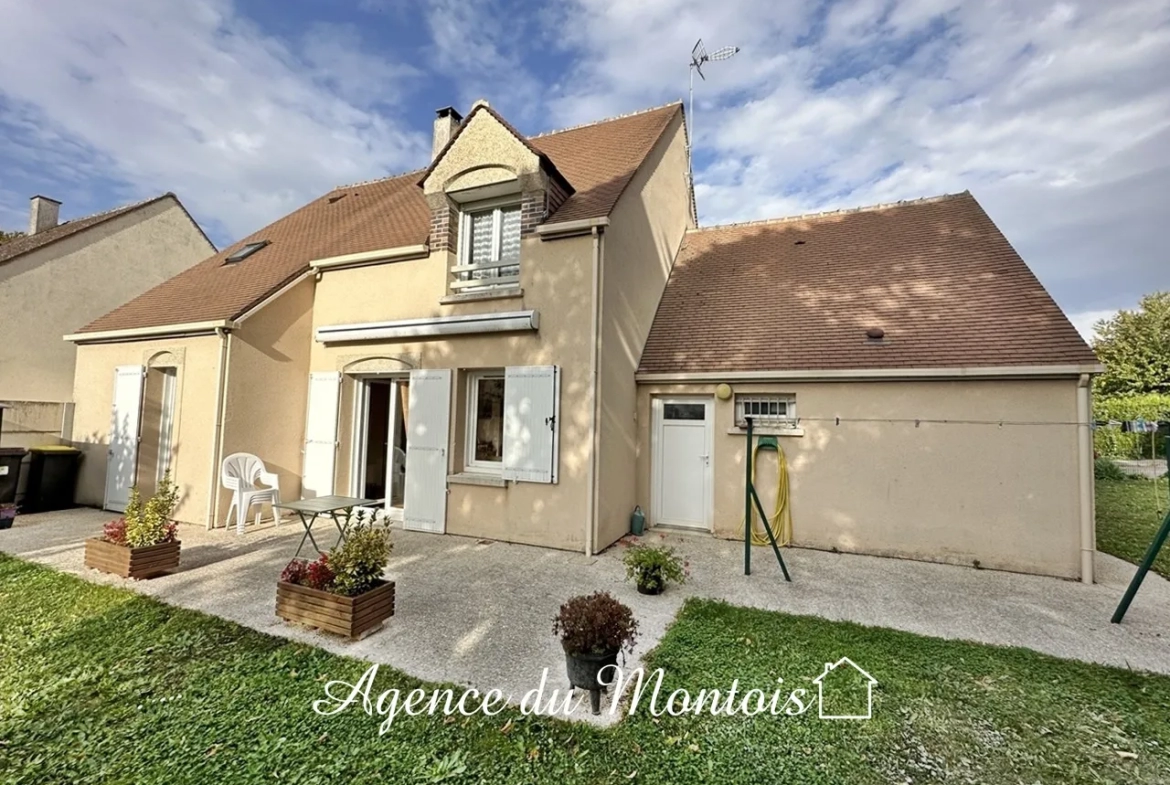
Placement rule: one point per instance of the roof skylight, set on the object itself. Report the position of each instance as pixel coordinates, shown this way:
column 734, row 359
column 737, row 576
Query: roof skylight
column 245, row 252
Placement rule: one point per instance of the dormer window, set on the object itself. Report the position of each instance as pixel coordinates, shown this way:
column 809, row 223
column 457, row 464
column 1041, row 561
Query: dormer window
column 489, row 247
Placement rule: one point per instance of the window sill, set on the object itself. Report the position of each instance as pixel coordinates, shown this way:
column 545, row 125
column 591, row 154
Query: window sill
column 507, row 293
column 474, row 478
column 767, row 431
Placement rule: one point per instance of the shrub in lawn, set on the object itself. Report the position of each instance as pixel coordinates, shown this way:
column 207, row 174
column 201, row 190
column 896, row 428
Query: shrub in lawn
column 595, row 624
column 1106, row 469
column 652, row 567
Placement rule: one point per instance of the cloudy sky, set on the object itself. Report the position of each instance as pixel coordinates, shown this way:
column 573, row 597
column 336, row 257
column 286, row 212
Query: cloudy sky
column 1056, row 115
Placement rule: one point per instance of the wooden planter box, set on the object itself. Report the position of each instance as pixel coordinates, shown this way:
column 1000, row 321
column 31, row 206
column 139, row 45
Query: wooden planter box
column 131, row 562
column 349, row 616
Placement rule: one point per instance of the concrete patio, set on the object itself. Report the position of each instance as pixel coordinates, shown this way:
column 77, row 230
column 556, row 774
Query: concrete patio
column 479, row 613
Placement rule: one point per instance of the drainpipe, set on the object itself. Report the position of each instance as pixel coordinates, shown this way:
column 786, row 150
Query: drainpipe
column 594, row 398
column 225, row 355
column 1085, row 454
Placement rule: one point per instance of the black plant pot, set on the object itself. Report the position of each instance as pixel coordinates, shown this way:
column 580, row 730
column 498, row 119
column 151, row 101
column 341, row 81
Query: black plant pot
column 585, row 672
column 650, row 582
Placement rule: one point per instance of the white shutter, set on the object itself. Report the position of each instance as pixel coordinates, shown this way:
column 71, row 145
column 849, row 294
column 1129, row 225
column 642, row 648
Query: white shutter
column 122, row 455
column 428, row 422
column 320, row 435
column 531, row 423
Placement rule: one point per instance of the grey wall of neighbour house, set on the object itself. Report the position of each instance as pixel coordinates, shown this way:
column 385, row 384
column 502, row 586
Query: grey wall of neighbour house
column 646, row 229
column 55, row 290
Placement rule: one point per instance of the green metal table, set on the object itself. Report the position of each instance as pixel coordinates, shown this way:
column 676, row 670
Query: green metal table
column 309, row 510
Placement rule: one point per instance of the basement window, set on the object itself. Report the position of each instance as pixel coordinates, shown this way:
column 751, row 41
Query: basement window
column 768, row 411
column 245, row 252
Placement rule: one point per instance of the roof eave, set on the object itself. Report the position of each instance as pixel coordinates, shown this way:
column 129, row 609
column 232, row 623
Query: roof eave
column 864, row 374
column 158, row 331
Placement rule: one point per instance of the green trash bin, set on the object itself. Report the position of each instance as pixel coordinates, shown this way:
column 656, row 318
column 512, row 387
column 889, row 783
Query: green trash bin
column 52, row 478
column 10, row 460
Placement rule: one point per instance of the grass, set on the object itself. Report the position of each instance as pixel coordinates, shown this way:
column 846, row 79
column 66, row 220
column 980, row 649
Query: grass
column 1128, row 516
column 101, row 685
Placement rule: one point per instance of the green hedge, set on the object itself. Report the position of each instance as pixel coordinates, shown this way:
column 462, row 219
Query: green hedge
column 1112, row 442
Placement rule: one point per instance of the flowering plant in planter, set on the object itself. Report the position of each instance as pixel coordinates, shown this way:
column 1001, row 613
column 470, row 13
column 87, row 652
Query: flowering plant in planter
column 652, row 567
column 144, row 541
column 351, row 573
column 593, row 629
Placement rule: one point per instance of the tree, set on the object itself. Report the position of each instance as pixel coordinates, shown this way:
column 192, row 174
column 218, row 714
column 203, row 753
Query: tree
column 1134, row 346
column 6, row 236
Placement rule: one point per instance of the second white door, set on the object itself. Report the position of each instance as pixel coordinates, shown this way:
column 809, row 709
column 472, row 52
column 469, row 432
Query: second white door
column 682, row 462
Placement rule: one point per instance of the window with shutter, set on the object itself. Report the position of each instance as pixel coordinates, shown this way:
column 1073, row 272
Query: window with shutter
column 489, row 248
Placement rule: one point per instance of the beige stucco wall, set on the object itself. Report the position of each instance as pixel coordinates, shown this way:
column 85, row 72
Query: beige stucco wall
column 1005, row 496
column 556, row 281
column 197, row 362
column 264, row 412
column 62, row 287
column 646, row 228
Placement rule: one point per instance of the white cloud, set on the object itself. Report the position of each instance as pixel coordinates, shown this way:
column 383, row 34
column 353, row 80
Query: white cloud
column 1084, row 321
column 193, row 97
column 1055, row 115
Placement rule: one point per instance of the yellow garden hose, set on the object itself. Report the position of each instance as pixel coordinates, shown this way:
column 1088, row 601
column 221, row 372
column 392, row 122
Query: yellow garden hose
column 783, row 512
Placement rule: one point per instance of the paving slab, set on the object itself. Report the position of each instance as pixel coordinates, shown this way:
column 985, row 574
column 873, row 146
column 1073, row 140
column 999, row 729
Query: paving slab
column 479, row 613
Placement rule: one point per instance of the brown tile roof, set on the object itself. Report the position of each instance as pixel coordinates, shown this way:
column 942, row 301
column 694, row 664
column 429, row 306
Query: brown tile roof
column 799, row 294
column 22, row 245
column 597, row 159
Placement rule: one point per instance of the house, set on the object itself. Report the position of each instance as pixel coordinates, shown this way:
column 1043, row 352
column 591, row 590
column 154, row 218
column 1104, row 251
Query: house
column 850, row 689
column 59, row 277
column 529, row 336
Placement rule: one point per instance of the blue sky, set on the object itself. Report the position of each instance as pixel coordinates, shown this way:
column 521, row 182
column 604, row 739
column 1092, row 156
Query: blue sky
column 1056, row 115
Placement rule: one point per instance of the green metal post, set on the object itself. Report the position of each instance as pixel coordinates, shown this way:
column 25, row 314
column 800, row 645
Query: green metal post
column 771, row 536
column 747, row 503
column 1147, row 562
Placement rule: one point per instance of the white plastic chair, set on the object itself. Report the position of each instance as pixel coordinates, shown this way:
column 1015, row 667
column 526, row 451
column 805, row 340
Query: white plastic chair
column 240, row 472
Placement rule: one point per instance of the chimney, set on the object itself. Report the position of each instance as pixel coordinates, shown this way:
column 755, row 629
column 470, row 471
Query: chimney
column 42, row 214
column 446, row 122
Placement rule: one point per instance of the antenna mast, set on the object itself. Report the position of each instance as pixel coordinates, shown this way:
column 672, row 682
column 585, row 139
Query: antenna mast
column 699, row 56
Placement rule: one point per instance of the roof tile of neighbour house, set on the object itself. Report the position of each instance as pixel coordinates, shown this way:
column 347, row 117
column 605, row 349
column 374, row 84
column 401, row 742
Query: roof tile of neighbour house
column 597, row 159
column 936, row 275
column 22, row 245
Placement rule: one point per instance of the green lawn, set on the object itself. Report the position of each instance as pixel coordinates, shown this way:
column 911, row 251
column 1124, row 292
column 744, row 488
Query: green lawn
column 100, row 685
column 1128, row 517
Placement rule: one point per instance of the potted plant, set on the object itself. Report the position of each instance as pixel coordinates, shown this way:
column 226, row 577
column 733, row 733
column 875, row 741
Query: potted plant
column 652, row 567
column 144, row 542
column 593, row 629
column 342, row 591
column 7, row 515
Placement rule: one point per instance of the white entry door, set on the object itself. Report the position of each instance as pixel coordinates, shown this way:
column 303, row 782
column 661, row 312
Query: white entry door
column 122, row 456
column 681, row 461
column 427, row 428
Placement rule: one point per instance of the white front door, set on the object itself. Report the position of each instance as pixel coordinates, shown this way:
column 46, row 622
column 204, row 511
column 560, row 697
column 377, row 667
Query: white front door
column 122, row 456
column 681, row 462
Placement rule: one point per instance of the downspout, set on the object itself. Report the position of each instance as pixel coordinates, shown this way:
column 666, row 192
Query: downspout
column 221, row 378
column 1085, row 455
column 594, row 398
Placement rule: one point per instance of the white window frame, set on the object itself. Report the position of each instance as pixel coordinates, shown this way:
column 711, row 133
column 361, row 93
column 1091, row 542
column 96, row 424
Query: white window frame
column 786, row 420
column 464, row 271
column 469, row 462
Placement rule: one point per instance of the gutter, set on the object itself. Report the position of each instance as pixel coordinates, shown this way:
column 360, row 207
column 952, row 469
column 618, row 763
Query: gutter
column 861, row 374
column 158, row 331
column 221, row 380
column 596, row 230
column 371, row 257
column 1085, row 466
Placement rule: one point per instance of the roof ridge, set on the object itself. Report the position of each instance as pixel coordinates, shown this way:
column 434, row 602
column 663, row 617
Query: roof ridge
column 377, row 179
column 871, row 208
column 128, row 206
column 605, row 120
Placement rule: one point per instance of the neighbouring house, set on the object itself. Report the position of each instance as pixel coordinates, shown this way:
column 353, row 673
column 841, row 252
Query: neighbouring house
column 61, row 276
column 530, row 336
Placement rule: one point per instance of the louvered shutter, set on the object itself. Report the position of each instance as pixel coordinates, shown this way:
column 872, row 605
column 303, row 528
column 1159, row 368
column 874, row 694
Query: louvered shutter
column 428, row 421
column 320, row 435
column 122, row 454
column 531, row 423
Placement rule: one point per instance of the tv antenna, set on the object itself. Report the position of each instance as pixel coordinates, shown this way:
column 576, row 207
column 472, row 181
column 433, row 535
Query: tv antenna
column 699, row 57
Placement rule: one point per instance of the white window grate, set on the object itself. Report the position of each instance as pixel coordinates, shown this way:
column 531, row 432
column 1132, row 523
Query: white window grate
column 769, row 411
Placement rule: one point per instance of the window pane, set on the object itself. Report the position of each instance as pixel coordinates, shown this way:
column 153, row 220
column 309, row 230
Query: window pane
column 480, row 242
column 684, row 411
column 510, row 240
column 489, row 419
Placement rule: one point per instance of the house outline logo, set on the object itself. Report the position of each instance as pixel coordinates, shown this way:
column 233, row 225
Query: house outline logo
column 820, row 682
